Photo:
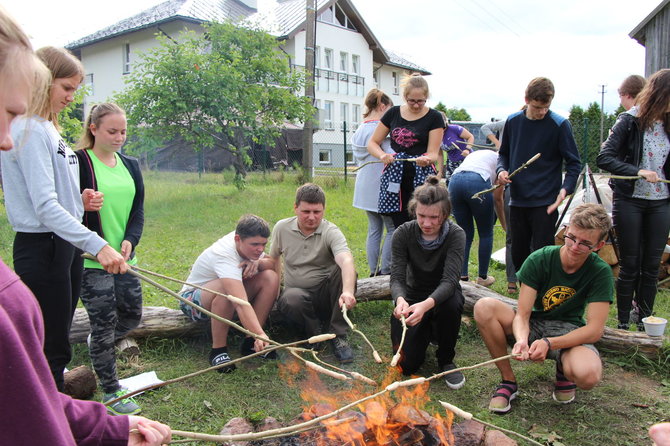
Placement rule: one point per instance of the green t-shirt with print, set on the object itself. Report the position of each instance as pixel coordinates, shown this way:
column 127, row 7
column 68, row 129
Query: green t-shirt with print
column 562, row 296
column 119, row 188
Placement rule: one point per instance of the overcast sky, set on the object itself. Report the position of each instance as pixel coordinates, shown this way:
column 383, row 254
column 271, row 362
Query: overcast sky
column 481, row 53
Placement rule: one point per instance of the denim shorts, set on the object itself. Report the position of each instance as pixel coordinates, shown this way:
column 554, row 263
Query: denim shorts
column 540, row 328
column 193, row 313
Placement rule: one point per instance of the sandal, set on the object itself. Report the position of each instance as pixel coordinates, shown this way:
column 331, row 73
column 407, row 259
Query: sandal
column 511, row 288
column 503, row 396
column 564, row 390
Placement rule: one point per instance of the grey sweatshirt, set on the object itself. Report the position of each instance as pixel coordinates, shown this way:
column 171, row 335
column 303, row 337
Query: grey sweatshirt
column 40, row 178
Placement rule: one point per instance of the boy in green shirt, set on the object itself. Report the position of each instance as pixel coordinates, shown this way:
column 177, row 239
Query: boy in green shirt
column 559, row 286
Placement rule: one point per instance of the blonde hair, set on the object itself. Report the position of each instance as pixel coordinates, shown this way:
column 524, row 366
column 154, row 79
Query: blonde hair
column 62, row 64
column 413, row 81
column 18, row 61
column 95, row 116
column 591, row 216
column 374, row 99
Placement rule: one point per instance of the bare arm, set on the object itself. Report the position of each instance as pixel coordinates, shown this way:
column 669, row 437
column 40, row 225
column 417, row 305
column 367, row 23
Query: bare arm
column 499, row 205
column 374, row 145
column 346, row 263
column 246, row 313
column 469, row 139
column 434, row 141
column 521, row 322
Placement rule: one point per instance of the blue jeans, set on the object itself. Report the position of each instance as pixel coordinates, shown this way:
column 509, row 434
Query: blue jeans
column 376, row 224
column 467, row 211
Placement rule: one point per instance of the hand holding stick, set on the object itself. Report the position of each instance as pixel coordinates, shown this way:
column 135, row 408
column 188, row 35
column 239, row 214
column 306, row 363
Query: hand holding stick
column 519, row 169
column 375, row 354
column 356, row 169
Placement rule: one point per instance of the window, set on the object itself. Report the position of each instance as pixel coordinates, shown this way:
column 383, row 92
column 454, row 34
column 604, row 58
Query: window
column 328, row 114
column 375, row 77
column 344, row 62
column 328, row 58
column 355, row 116
column 344, row 113
column 336, row 16
column 324, row 156
column 355, row 64
column 349, row 157
column 126, row 58
column 396, row 85
column 317, row 56
column 88, row 81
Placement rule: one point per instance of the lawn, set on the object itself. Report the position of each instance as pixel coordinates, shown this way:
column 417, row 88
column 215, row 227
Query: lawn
column 185, row 214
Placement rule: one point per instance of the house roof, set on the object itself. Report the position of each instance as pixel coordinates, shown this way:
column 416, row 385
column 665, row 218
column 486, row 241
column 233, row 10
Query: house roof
column 399, row 61
column 639, row 32
column 283, row 18
column 197, row 11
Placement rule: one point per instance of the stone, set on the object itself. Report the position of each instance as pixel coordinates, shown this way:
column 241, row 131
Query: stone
column 497, row 438
column 236, row 426
column 468, row 433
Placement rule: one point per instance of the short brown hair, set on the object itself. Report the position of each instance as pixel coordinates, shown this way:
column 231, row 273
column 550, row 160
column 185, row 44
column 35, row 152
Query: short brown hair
column 540, row 89
column 310, row 193
column 429, row 193
column 250, row 225
column 374, row 99
column 591, row 216
column 632, row 85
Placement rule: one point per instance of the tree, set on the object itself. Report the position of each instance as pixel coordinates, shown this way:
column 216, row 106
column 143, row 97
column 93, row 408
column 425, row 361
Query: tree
column 586, row 130
column 71, row 118
column 454, row 114
column 225, row 89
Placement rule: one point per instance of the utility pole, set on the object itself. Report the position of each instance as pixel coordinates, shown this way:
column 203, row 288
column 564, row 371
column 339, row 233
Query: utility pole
column 310, row 44
column 602, row 112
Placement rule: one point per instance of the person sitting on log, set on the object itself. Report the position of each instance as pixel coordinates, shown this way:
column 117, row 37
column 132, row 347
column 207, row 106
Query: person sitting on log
column 235, row 265
column 427, row 260
column 559, row 285
column 319, row 272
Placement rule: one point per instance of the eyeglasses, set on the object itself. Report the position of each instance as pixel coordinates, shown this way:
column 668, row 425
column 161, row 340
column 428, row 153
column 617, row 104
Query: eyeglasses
column 581, row 245
column 416, row 101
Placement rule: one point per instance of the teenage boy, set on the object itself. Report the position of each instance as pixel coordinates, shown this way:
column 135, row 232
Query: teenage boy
column 538, row 191
column 559, row 286
column 235, row 265
column 319, row 272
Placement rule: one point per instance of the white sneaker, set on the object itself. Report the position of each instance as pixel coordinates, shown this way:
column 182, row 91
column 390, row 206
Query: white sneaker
column 490, row 280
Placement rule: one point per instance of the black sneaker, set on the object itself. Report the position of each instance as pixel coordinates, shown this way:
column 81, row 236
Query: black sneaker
column 454, row 380
column 222, row 358
column 247, row 348
column 341, row 350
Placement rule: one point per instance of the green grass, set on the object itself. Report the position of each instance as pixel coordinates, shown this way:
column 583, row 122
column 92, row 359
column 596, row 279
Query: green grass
column 185, row 214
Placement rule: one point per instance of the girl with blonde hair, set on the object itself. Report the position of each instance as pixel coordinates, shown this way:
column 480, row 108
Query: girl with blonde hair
column 45, row 206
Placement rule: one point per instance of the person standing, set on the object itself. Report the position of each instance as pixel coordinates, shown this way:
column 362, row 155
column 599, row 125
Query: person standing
column 366, row 190
column 39, row 413
column 45, row 207
column 427, row 258
column 113, row 301
column 536, row 193
column 629, row 89
column 475, row 174
column 457, row 144
column 639, row 146
column 416, row 132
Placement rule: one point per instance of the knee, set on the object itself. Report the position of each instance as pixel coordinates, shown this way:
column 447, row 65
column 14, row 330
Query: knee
column 484, row 310
column 586, row 376
column 269, row 278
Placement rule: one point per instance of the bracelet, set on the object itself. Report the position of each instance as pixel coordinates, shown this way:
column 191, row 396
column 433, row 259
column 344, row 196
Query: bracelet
column 547, row 341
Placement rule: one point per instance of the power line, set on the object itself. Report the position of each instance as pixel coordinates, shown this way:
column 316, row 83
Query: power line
column 509, row 17
column 480, row 19
column 496, row 18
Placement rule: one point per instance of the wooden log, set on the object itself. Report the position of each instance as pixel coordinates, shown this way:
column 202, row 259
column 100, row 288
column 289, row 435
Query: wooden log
column 156, row 321
column 166, row 322
column 128, row 346
column 80, row 383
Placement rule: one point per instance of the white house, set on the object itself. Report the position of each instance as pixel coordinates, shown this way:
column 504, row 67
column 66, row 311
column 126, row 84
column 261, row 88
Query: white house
column 349, row 59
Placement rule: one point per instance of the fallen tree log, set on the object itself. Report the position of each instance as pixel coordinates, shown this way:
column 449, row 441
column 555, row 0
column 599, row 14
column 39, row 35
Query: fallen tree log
column 166, row 322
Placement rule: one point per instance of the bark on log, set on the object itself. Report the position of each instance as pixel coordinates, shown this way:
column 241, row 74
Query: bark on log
column 128, row 347
column 80, row 383
column 166, row 322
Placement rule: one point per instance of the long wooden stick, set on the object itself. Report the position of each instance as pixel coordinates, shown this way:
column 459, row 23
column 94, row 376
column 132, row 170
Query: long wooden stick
column 375, row 354
column 480, row 146
column 354, row 375
column 396, row 357
column 290, row 430
column 230, row 297
column 312, row 340
column 519, row 169
column 635, row 177
column 356, row 169
column 468, row 416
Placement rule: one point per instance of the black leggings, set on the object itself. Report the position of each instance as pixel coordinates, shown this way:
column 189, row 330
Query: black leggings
column 441, row 323
column 52, row 269
column 642, row 232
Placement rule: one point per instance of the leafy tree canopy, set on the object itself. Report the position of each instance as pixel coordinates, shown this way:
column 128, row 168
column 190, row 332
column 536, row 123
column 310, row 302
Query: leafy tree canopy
column 453, row 113
column 226, row 88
